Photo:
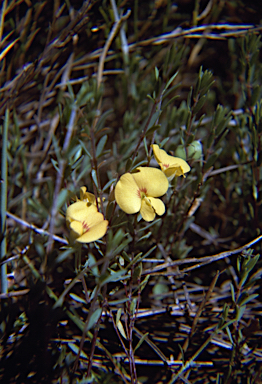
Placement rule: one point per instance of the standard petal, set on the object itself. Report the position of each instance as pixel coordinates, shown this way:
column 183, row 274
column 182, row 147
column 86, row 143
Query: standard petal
column 160, row 155
column 127, row 194
column 94, row 233
column 147, row 211
column 152, row 181
column 158, row 205
column 78, row 211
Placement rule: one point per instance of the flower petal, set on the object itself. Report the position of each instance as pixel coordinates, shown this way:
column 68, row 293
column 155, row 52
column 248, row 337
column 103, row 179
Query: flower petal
column 147, row 211
column 93, row 218
column 160, row 155
column 158, row 205
column 82, row 192
column 180, row 165
column 78, row 211
column 87, row 196
column 127, row 194
column 151, row 180
column 173, row 171
column 94, row 233
column 76, row 229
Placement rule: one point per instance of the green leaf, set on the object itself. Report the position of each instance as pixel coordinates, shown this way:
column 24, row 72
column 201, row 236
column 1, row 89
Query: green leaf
column 77, row 298
column 62, row 197
column 118, row 315
column 64, row 255
column 141, row 341
column 139, row 257
column 94, row 318
column 102, row 119
column 156, row 73
column 84, row 95
column 100, row 146
column 251, row 263
column 94, row 177
column 154, row 118
column 240, row 312
column 170, row 81
column 229, row 335
column 129, row 164
column 149, row 225
column 140, row 164
column 121, row 246
column 152, row 129
column 170, row 101
column 223, row 124
column 121, row 329
column 75, row 349
column 85, row 149
column 114, row 276
column 108, row 184
column 145, row 237
column 199, row 104
column 218, row 142
column 55, row 164
column 232, row 292
column 143, row 283
column 212, row 158
column 126, row 257
column 247, row 299
column 163, row 142
column 137, row 271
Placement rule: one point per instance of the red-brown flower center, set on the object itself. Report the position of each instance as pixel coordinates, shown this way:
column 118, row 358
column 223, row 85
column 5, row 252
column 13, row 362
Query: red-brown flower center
column 165, row 165
column 141, row 192
column 85, row 227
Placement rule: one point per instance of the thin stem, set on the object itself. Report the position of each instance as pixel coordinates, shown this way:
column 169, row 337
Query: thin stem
column 4, row 286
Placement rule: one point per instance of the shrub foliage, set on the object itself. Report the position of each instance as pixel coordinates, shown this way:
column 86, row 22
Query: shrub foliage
column 87, row 88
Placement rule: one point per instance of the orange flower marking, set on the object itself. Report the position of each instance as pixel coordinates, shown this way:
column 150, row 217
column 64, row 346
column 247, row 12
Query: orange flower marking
column 85, row 227
column 141, row 191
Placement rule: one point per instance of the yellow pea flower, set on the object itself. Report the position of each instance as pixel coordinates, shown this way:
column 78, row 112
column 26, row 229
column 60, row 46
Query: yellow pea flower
column 170, row 165
column 138, row 192
column 85, row 222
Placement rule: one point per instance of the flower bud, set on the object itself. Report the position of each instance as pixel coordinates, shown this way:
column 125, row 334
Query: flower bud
column 195, row 150
column 180, row 152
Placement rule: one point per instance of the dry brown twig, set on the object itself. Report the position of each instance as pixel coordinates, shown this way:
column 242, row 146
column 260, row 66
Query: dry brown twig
column 199, row 262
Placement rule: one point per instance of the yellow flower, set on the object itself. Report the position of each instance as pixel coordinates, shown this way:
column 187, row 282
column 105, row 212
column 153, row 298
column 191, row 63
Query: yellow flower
column 137, row 192
column 85, row 222
column 170, row 165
